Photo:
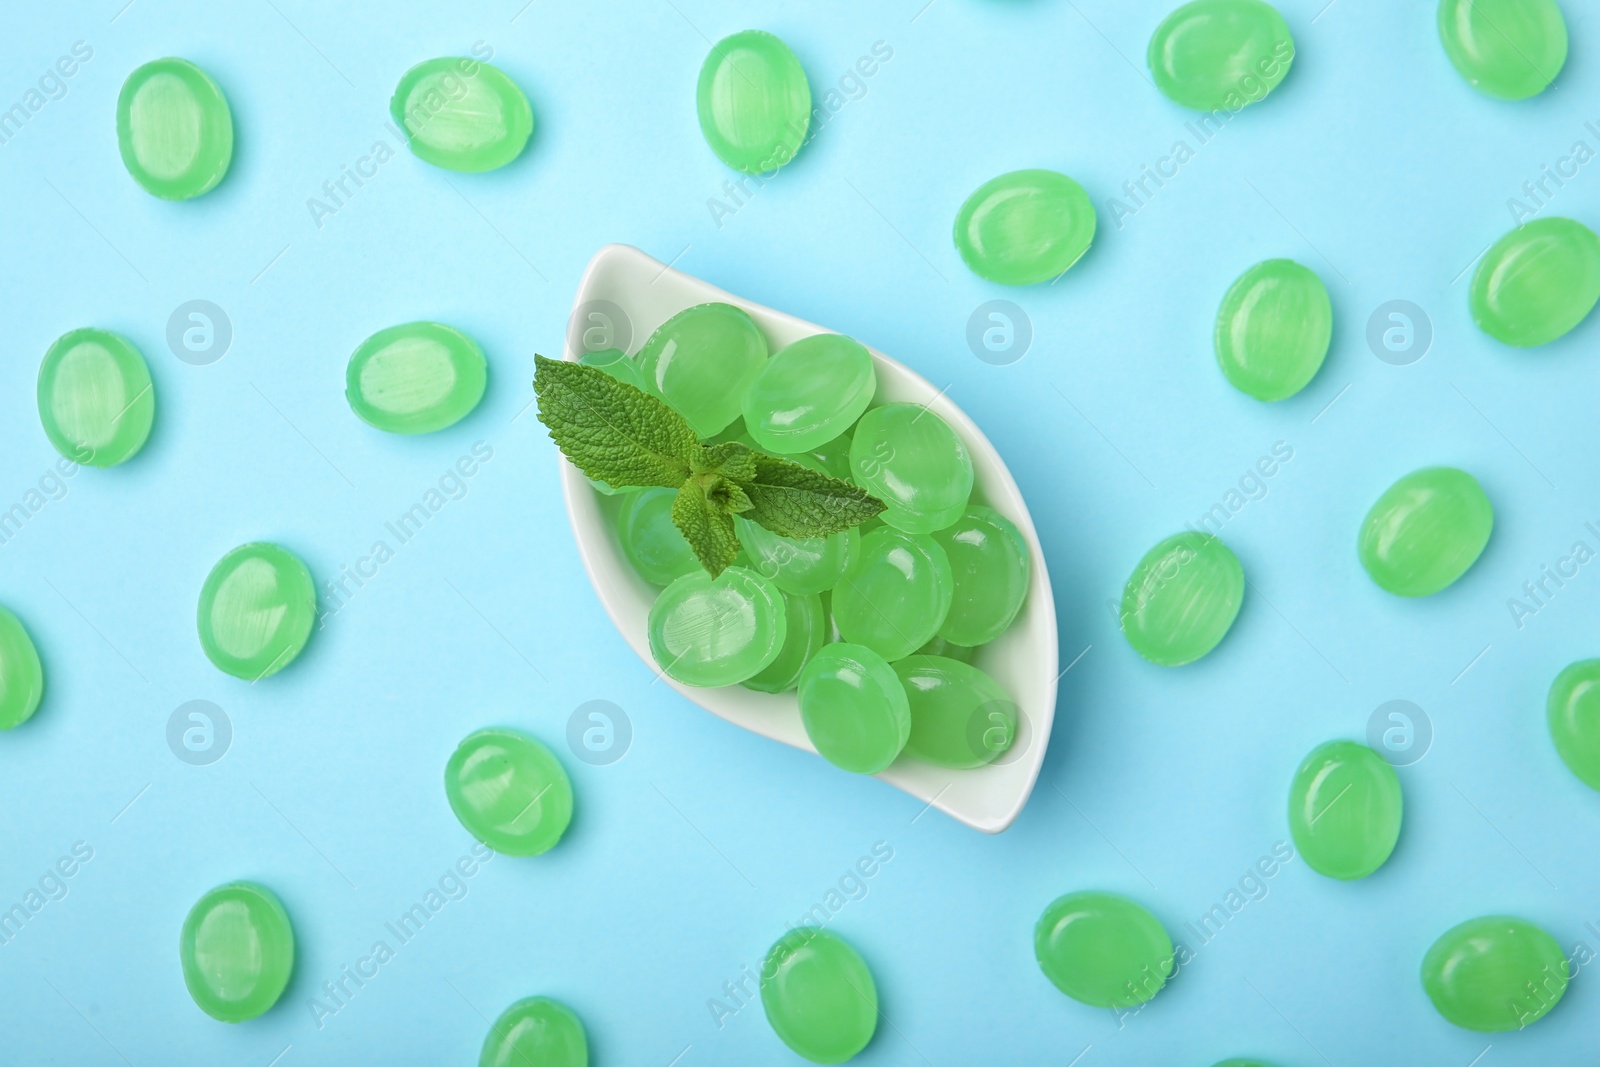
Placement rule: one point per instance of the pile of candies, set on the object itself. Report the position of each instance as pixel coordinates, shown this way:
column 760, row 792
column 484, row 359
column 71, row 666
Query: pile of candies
column 875, row 628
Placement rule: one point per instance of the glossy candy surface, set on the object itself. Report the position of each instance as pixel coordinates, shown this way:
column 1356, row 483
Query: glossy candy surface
column 753, row 101
column 509, row 791
column 1025, row 227
column 809, row 393
column 701, row 361
column 174, row 129
column 895, row 595
column 256, row 610
column 912, row 460
column 462, row 114
column 819, row 995
column 717, row 631
column 237, row 951
column 536, row 1032
column 991, row 566
column 417, row 377
column 1572, row 713
column 960, row 716
column 798, row 564
column 96, row 400
column 651, row 540
column 1511, row 49
column 21, row 673
column 854, row 708
column 805, row 632
column 1182, row 598
column 938, row 646
column 1345, row 809
column 1213, row 55
column 1273, row 329
column 1495, row 973
column 1425, row 531
column 1102, row 949
column 1537, row 282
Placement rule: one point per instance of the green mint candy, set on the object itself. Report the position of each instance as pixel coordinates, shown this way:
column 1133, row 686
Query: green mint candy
column 174, row 129
column 96, row 400
column 616, row 363
column 1182, row 598
column 753, row 101
column 1511, row 49
column 1215, row 55
column 509, row 791
column 1572, row 712
column 798, row 564
column 1495, row 973
column 912, row 460
column 854, row 708
column 805, row 632
column 701, row 361
column 895, row 594
column 809, row 393
column 832, row 457
column 938, row 646
column 651, row 540
column 536, row 1032
column 1425, row 531
column 462, row 114
column 237, row 951
column 819, row 995
column 991, row 566
column 417, row 377
column 1025, row 227
column 1345, row 809
column 960, row 716
column 707, row 631
column 21, row 673
column 1102, row 949
column 256, row 610
column 1273, row 329
column 1537, row 282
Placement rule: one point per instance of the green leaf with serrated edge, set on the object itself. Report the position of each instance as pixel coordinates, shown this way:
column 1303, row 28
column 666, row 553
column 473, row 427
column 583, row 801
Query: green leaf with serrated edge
column 795, row 501
column 612, row 431
column 732, row 460
column 707, row 525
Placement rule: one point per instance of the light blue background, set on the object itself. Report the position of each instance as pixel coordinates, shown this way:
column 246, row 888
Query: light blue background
column 1374, row 163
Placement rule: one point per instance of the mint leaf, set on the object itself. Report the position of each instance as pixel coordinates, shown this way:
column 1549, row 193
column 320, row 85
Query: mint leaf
column 795, row 501
column 707, row 524
column 613, row 432
column 730, row 459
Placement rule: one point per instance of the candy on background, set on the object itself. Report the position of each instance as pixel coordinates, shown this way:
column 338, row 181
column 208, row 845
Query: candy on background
column 175, row 129
column 1182, row 599
column 1425, row 531
column 854, row 708
column 1376, row 165
column 1273, row 329
column 418, row 377
column 256, row 610
column 718, row 631
column 1025, row 227
column 1537, row 282
column 509, row 791
column 536, row 1032
column 96, row 400
column 1345, row 810
column 237, row 949
column 1512, row 49
column 753, row 101
column 462, row 114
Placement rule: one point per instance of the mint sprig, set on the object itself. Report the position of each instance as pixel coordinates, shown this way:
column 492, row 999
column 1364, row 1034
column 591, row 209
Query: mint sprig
column 621, row 435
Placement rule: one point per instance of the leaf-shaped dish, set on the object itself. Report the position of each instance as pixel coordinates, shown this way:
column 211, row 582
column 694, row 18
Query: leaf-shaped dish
column 624, row 296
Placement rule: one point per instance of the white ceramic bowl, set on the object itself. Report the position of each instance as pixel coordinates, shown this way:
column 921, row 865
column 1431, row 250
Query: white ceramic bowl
column 1023, row 660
